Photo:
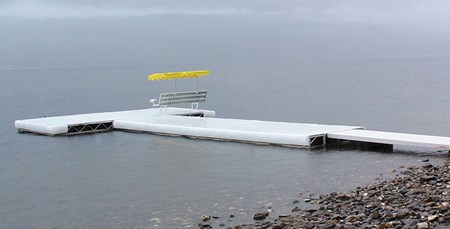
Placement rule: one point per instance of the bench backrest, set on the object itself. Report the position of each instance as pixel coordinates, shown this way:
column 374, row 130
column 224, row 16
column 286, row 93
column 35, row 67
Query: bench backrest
column 182, row 97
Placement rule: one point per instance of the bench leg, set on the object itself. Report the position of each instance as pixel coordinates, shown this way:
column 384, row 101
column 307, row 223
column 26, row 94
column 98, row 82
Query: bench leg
column 194, row 106
column 161, row 108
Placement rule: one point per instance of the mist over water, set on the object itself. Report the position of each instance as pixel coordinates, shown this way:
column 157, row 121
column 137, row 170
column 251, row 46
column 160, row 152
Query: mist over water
column 264, row 65
column 218, row 37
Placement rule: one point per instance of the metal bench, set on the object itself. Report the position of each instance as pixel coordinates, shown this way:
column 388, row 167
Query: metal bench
column 192, row 97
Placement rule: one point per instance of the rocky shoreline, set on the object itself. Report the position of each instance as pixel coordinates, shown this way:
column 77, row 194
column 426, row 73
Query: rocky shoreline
column 418, row 197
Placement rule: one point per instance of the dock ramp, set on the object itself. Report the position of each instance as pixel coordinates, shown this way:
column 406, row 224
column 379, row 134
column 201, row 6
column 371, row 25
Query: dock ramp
column 391, row 138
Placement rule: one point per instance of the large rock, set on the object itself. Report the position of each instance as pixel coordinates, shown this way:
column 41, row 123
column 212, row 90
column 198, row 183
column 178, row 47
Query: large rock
column 410, row 222
column 205, row 218
column 375, row 215
column 423, row 225
column 278, row 226
column 427, row 178
column 261, row 215
column 402, row 213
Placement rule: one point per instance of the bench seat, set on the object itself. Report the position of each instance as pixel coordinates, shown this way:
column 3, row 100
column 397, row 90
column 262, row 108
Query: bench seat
column 192, row 97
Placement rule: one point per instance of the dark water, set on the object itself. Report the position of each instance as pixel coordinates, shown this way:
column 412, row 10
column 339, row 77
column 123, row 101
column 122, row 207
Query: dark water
column 130, row 180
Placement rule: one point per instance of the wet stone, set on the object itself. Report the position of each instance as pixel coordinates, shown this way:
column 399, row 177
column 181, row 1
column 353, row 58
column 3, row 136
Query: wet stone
column 205, row 226
column 422, row 225
column 389, row 225
column 375, row 215
column 310, row 210
column 261, row 215
column 427, row 178
column 410, row 222
column 205, row 218
column 278, row 226
column 402, row 213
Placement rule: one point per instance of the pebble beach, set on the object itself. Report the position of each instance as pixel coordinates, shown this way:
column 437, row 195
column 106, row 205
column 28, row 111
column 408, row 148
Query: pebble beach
column 417, row 197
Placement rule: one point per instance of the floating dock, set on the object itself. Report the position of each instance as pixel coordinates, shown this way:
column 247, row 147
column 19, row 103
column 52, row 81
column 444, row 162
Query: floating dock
column 195, row 123
column 201, row 124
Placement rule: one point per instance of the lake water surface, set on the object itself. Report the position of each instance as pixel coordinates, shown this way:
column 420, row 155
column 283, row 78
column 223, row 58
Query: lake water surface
column 134, row 180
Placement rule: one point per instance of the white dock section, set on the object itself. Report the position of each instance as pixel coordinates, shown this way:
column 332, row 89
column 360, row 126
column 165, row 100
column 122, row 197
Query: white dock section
column 96, row 121
column 280, row 133
column 391, row 138
column 179, row 121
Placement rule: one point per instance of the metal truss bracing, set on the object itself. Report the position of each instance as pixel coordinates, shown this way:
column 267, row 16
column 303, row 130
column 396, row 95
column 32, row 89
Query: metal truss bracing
column 90, row 127
column 315, row 141
column 194, row 115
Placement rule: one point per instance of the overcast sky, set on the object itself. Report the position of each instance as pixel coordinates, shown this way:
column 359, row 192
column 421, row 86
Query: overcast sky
column 289, row 29
column 406, row 12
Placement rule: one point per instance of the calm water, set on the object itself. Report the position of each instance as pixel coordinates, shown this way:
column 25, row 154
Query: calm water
column 129, row 180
